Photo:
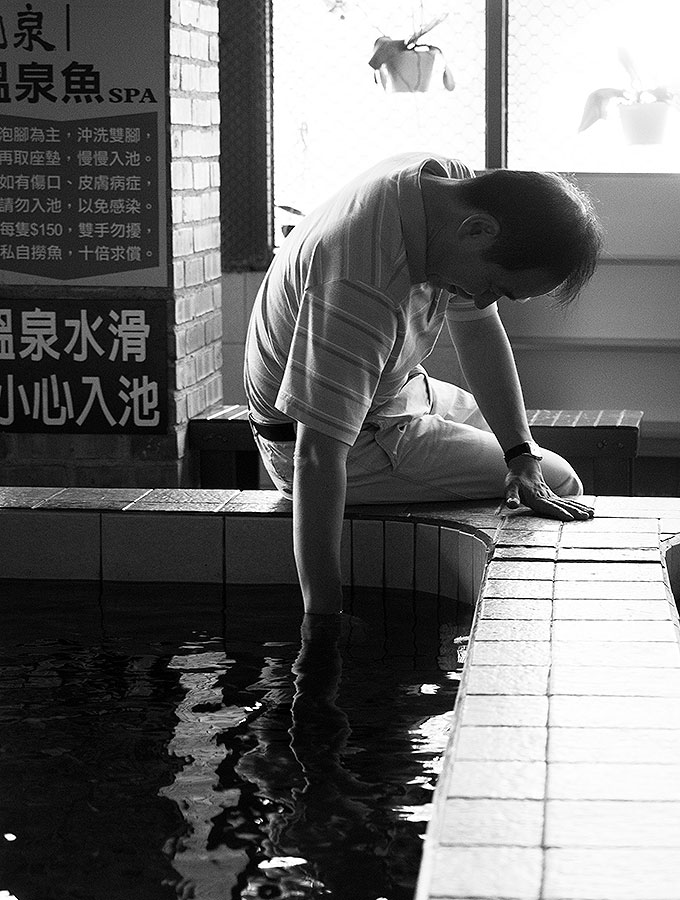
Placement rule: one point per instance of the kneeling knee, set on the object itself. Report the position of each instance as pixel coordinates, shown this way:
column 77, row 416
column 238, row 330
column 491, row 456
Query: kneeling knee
column 560, row 475
column 570, row 485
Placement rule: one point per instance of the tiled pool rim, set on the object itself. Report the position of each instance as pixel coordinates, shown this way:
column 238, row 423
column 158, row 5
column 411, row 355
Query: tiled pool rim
column 561, row 779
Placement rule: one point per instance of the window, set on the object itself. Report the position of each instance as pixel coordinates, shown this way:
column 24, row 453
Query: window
column 523, row 70
column 559, row 52
column 332, row 117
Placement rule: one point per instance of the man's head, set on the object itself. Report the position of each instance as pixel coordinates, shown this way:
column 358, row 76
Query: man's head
column 530, row 229
column 545, row 223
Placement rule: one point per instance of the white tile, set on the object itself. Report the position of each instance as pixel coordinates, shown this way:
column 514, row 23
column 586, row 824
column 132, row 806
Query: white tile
column 516, row 630
column 511, row 653
column 612, row 823
column 521, row 522
column 503, row 710
column 399, row 554
column 367, row 552
column 614, row 610
column 638, row 507
column 613, row 781
column 468, row 583
column 516, row 609
column 515, row 551
column 162, row 547
column 632, row 681
column 628, row 713
column 501, row 779
column 608, row 571
column 507, row 680
column 611, row 590
column 521, row 569
column 610, row 539
column 614, row 745
column 427, row 558
column 448, row 562
column 492, row 822
column 480, row 563
column 55, row 544
column 259, row 550
column 487, row 873
column 611, row 874
column 617, row 653
column 503, row 587
column 544, row 537
column 606, row 630
column 488, row 742
column 605, row 523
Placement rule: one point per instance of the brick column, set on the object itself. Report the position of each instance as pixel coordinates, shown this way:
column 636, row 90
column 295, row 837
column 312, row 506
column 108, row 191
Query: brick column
column 195, row 209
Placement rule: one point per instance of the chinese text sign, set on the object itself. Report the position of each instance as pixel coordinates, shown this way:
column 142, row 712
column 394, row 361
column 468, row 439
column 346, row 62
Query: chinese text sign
column 71, row 367
column 83, row 92
column 83, row 131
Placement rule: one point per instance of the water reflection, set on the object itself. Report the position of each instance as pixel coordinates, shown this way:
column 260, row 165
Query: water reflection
column 196, row 790
column 281, row 794
column 293, row 762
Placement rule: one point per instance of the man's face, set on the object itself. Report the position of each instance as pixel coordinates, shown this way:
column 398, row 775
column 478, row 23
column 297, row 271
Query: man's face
column 456, row 261
column 485, row 282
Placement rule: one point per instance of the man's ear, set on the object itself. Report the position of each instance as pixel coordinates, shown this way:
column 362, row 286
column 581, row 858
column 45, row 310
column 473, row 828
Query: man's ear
column 479, row 226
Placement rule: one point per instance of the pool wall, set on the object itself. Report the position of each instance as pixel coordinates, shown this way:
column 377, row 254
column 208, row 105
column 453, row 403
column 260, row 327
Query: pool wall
column 561, row 779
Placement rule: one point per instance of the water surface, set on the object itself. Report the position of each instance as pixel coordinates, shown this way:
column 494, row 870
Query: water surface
column 165, row 741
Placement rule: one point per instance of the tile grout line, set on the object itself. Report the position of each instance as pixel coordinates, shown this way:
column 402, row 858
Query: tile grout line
column 101, row 550
column 544, row 846
column 224, row 552
column 440, row 574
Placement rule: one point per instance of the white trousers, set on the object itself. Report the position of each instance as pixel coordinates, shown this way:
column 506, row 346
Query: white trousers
column 431, row 444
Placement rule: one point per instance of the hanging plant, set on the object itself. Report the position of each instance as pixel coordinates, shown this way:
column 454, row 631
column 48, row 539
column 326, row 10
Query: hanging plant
column 407, row 65
column 643, row 110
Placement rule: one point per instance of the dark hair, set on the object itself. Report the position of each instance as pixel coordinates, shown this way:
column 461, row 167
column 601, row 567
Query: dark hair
column 546, row 222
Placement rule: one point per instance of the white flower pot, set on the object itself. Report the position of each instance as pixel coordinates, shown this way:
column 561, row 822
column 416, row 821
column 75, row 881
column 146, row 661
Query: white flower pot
column 644, row 123
column 408, row 71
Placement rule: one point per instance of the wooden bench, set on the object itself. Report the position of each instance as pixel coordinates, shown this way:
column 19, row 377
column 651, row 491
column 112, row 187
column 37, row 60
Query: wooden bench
column 601, row 444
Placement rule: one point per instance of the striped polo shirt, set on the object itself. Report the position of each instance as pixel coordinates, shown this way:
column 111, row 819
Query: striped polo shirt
column 345, row 314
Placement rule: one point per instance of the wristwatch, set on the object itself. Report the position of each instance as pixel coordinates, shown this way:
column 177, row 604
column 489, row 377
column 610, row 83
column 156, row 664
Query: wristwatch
column 526, row 448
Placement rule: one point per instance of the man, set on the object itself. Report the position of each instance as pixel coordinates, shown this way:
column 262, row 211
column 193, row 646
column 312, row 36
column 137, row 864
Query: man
column 341, row 408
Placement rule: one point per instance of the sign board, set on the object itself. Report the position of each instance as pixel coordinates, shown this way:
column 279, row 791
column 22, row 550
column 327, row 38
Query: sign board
column 83, row 133
column 83, row 94
column 91, row 368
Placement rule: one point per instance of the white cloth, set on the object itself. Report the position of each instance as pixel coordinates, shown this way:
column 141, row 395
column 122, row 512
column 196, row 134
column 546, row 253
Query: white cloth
column 431, row 444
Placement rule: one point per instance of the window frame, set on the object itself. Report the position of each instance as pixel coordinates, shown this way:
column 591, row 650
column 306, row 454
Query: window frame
column 246, row 145
column 246, row 157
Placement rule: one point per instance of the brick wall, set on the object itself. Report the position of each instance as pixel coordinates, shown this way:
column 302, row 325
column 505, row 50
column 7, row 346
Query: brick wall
column 195, row 179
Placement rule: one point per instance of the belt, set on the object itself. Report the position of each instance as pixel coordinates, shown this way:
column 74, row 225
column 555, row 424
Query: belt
column 274, row 432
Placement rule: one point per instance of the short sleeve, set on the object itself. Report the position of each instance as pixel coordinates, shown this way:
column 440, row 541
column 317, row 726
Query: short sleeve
column 343, row 337
column 461, row 309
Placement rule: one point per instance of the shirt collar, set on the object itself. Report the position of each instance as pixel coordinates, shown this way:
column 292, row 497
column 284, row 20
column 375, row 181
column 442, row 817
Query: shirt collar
column 412, row 210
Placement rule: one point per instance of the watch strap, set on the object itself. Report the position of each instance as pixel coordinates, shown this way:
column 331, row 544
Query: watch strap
column 526, row 448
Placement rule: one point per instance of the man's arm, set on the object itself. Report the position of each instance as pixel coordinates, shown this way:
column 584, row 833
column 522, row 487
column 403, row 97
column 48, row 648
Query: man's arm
column 488, row 364
column 319, row 488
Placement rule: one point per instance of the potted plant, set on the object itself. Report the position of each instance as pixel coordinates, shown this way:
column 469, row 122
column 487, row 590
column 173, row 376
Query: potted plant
column 406, row 65
column 643, row 110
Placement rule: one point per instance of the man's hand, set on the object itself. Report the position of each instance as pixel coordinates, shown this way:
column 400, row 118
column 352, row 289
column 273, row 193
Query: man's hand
column 524, row 484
